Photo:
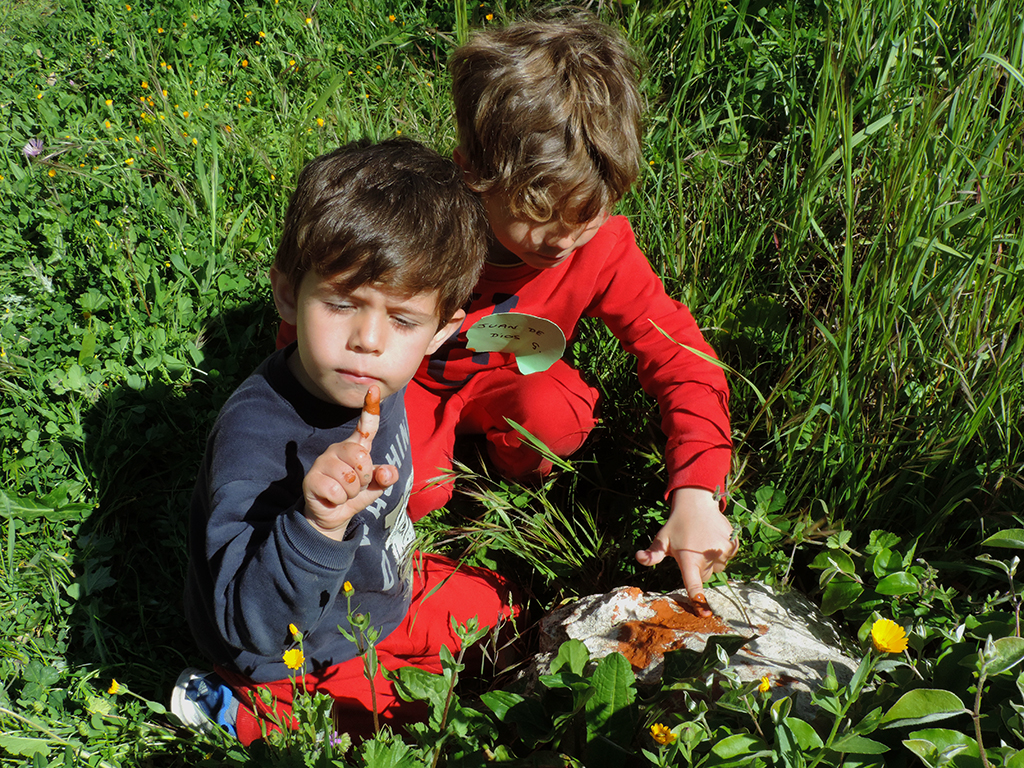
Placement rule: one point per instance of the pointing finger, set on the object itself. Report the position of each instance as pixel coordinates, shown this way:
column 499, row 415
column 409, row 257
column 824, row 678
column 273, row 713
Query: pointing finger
column 369, row 419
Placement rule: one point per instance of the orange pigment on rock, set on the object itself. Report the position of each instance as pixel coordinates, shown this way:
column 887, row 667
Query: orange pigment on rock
column 644, row 640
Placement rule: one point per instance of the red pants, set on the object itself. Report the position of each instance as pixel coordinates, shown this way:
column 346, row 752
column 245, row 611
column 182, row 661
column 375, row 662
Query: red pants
column 462, row 592
column 556, row 406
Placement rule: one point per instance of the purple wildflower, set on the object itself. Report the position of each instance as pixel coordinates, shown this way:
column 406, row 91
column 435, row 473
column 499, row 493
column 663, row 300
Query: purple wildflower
column 33, row 148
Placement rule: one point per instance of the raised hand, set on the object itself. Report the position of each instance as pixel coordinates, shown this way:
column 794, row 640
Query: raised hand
column 699, row 537
column 343, row 480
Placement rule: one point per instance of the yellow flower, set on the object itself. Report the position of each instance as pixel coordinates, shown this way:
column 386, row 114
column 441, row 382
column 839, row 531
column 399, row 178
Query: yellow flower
column 145, row 84
column 309, row 19
column 391, row 17
column 489, row 17
column 320, row 122
column 263, row 34
column 888, row 637
column 195, row 141
column 293, row 658
column 245, row 62
column 227, row 128
column 110, row 102
column 129, row 161
column 661, row 734
column 39, row 95
column 348, row 588
column 766, row 684
column 127, row 7
column 115, row 688
column 291, row 62
column 293, row 629
column 51, row 173
column 106, row 123
column 159, row 30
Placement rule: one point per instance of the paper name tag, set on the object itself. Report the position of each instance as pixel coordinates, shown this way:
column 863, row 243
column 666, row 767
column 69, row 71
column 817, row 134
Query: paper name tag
column 535, row 342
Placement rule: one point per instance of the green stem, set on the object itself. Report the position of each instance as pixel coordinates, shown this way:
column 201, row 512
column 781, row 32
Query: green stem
column 976, row 716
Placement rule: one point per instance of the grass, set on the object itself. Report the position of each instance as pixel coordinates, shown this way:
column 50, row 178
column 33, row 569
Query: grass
column 834, row 188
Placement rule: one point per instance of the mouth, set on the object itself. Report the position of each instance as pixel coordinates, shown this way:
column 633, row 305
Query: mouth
column 355, row 377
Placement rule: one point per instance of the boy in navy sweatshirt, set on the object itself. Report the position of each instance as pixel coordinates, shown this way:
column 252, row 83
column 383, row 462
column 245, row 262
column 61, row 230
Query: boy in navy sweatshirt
column 299, row 519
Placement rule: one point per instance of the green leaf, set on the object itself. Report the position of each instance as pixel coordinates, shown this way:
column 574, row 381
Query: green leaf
column 901, row 583
column 572, row 654
column 610, row 712
column 853, row 744
column 1012, row 538
column 1002, row 655
column 924, row 705
column 20, row 745
column 947, row 744
column 416, row 684
column 806, row 737
column 737, row 745
column 842, row 592
column 500, row 702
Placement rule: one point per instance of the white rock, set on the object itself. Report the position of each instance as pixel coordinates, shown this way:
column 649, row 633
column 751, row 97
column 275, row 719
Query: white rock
column 792, row 645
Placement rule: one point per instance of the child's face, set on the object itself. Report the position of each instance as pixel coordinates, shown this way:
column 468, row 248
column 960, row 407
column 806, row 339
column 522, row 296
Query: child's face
column 541, row 245
column 350, row 340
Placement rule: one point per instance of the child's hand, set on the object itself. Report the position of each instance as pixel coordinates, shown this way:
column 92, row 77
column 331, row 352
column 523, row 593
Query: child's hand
column 343, row 479
column 700, row 539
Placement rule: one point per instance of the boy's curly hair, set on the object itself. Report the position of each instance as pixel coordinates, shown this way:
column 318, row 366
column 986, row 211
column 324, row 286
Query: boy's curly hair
column 549, row 114
column 395, row 215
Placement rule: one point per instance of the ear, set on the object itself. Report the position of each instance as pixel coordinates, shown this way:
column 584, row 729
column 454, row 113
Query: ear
column 284, row 296
column 445, row 331
column 468, row 174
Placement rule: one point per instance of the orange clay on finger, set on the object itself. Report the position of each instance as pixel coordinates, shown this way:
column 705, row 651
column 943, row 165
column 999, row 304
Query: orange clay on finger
column 701, row 602
column 350, row 477
column 371, row 404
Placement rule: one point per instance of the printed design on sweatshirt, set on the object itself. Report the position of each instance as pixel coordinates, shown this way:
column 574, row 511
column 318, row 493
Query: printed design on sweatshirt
column 396, row 555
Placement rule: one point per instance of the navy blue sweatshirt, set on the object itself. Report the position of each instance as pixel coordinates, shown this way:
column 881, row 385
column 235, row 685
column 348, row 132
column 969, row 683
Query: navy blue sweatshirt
column 256, row 565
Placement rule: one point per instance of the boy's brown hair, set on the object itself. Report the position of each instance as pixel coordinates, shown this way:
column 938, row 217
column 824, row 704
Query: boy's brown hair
column 549, row 114
column 394, row 214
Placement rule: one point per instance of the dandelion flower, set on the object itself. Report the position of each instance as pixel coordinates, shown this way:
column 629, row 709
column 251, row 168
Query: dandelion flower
column 263, row 34
column 127, row 7
column 489, row 17
column 106, row 124
column 39, row 95
column 228, row 128
column 293, row 629
column 245, row 62
column 195, row 141
column 129, row 161
column 115, row 688
column 662, row 734
column 109, row 102
column 320, row 122
column 766, row 684
column 348, row 588
column 293, row 658
column 309, row 19
column 888, row 637
column 51, row 173
column 159, row 30
column 145, row 84
column 391, row 17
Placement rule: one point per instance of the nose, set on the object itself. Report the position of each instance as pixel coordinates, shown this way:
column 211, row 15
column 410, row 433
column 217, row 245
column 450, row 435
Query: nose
column 562, row 237
column 367, row 334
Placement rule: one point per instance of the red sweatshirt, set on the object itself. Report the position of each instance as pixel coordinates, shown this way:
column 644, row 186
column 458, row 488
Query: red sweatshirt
column 611, row 279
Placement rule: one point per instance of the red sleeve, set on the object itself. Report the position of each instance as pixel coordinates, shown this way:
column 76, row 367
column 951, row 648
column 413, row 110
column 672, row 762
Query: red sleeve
column 691, row 392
